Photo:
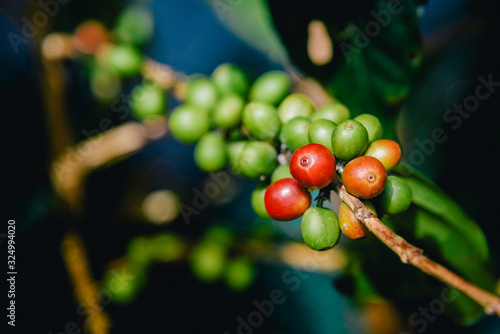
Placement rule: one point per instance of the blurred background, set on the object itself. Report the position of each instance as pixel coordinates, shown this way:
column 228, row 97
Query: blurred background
column 101, row 244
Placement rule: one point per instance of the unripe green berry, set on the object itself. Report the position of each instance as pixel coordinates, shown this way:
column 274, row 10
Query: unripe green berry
column 166, row 247
column 227, row 111
column 125, row 59
column 188, row 123
column 294, row 134
column 208, row 260
column 134, row 26
column 239, row 274
column 261, row 120
column 229, row 78
column 333, row 111
column 258, row 200
column 295, row 105
column 349, row 140
column 201, row 91
column 320, row 228
column 320, row 132
column 234, row 150
column 372, row 125
column 257, row 159
column 281, row 172
column 148, row 100
column 210, row 153
column 270, row 87
column 396, row 197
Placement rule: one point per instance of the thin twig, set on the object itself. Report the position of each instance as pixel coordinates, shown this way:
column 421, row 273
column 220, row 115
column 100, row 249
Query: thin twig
column 412, row 255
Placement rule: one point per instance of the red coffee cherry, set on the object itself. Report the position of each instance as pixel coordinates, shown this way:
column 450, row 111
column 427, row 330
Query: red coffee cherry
column 386, row 151
column 286, row 199
column 313, row 166
column 350, row 225
column 364, row 177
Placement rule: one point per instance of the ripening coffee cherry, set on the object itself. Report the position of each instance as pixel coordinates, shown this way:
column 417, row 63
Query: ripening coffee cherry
column 333, row 111
column 148, row 100
column 386, row 151
column 349, row 140
column 210, row 153
column 320, row 132
column 320, row 228
column 295, row 105
column 239, row 274
column 90, row 36
column 201, row 91
column 350, row 225
column 134, row 26
column 294, row 134
column 256, row 159
column 271, row 87
column 125, row 59
column 188, row 123
column 364, row 177
column 234, row 150
column 286, row 199
column 261, row 120
column 281, row 172
column 258, row 200
column 396, row 197
column 313, row 166
column 208, row 260
column 227, row 111
column 372, row 125
column 229, row 78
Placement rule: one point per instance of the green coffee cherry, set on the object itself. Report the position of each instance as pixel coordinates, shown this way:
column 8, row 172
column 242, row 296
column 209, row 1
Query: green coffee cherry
column 258, row 200
column 166, row 247
column 148, row 100
column 125, row 59
column 227, row 112
column 139, row 251
column 234, row 150
column 320, row 228
column 134, row 26
column 270, row 87
column 210, row 153
column 105, row 83
column 257, row 158
column 208, row 261
column 349, row 140
column 124, row 282
column 229, row 78
column 320, row 132
column 333, row 111
column 372, row 125
column 396, row 197
column 295, row 133
column 281, row 172
column 295, row 105
column 261, row 120
column 219, row 234
column 188, row 123
column 201, row 91
column 239, row 274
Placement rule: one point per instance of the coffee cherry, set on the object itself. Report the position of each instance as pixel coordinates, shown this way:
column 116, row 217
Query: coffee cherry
column 313, row 166
column 333, row 111
column 139, row 251
column 229, row 78
column 294, row 134
column 364, row 177
column 208, row 260
column 270, row 87
column 257, row 158
column 220, row 234
column 123, row 282
column 350, row 225
column 105, row 83
column 286, row 199
column 125, row 59
column 386, row 151
column 281, row 172
column 258, row 200
column 201, row 91
column 166, row 247
column 134, row 26
column 234, row 150
column 372, row 125
column 261, row 120
column 320, row 228
column 349, row 140
column 90, row 36
column 295, row 105
column 239, row 274
column 227, row 112
column 148, row 100
column 320, row 132
column 188, row 123
column 210, row 153
column 396, row 197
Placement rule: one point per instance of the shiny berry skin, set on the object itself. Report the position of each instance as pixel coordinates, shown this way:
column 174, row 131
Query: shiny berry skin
column 294, row 134
column 396, row 197
column 258, row 200
column 313, row 166
column 286, row 199
column 364, row 177
column 320, row 228
column 372, row 125
column 349, row 140
column 386, row 151
column 333, row 111
column 295, row 105
column 350, row 225
column 271, row 87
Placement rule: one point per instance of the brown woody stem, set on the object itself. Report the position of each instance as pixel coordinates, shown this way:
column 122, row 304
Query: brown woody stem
column 414, row 256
